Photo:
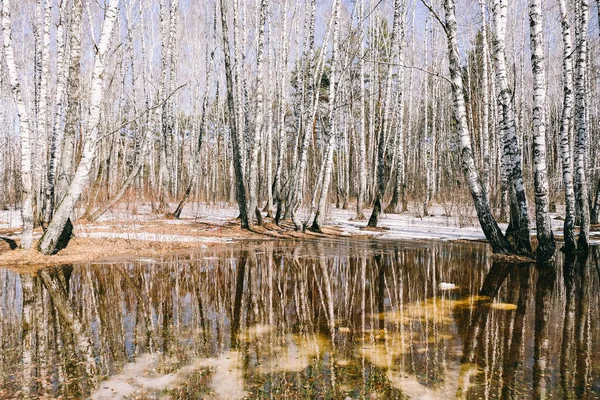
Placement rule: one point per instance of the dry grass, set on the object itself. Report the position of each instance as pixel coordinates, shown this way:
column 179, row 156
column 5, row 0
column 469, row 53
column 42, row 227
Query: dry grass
column 83, row 249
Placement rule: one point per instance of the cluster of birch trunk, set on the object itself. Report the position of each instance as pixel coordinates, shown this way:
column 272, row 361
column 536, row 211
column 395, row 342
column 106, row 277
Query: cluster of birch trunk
column 289, row 107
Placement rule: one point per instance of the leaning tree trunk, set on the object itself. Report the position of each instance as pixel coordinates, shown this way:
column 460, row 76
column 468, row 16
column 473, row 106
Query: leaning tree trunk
column 581, row 189
column 546, row 245
column 125, row 185
column 25, row 129
column 489, row 225
column 50, row 243
column 565, row 129
column 240, row 189
column 519, row 224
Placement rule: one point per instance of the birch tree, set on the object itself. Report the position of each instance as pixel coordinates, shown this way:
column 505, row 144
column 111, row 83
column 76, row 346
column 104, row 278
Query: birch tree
column 25, row 130
column 73, row 114
column 386, row 123
column 59, row 99
column 581, row 126
column 565, row 129
column 518, row 230
column 546, row 245
column 50, row 243
column 258, row 122
column 488, row 224
column 240, row 189
column 328, row 158
column 362, row 148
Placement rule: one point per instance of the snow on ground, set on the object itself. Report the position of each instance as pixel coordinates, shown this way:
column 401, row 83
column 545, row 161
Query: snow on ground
column 127, row 222
column 153, row 237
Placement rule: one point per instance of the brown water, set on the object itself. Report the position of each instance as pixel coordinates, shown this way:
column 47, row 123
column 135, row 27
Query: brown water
column 323, row 319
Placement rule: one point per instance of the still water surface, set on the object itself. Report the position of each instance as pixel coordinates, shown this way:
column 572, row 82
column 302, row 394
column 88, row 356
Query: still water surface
column 323, row 319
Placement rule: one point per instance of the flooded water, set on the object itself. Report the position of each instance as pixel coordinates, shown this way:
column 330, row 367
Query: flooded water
column 323, row 319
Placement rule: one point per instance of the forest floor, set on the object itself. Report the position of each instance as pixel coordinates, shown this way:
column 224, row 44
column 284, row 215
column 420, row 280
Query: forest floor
column 137, row 232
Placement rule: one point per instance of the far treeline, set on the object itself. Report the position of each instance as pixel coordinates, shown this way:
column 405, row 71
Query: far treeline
column 283, row 106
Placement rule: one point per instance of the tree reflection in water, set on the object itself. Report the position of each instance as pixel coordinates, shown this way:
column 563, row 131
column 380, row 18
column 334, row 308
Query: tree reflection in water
column 305, row 320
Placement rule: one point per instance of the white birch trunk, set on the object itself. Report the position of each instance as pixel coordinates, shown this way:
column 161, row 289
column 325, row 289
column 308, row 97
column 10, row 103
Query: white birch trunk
column 386, row 122
column 24, row 132
column 49, row 242
column 485, row 123
column 519, row 226
column 73, row 112
column 546, row 245
column 565, row 129
column 581, row 126
column 39, row 149
column 258, row 122
column 362, row 148
column 328, row 159
column 269, row 131
column 59, row 108
column 488, row 223
column 281, row 144
column 240, row 189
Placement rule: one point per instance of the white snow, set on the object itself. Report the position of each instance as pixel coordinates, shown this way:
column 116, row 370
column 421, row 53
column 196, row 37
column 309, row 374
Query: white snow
column 462, row 224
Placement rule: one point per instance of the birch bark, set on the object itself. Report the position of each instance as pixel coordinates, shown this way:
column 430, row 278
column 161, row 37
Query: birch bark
column 258, row 122
column 281, row 145
column 24, row 131
column 488, row 224
column 362, row 148
column 73, row 114
column 328, row 159
column 565, row 129
column 581, row 126
column 386, row 122
column 49, row 243
column 546, row 245
column 240, row 189
column 39, row 148
column 485, row 123
column 59, row 104
column 519, row 225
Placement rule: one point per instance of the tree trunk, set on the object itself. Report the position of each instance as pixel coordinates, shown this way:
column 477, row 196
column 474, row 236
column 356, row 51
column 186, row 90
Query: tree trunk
column 485, row 135
column 565, row 130
column 73, row 112
column 196, row 157
column 488, row 224
column 386, row 123
column 58, row 101
column 581, row 126
column 49, row 242
column 240, row 189
column 258, row 122
column 519, row 224
column 362, row 148
column 546, row 245
column 25, row 130
column 328, row 158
